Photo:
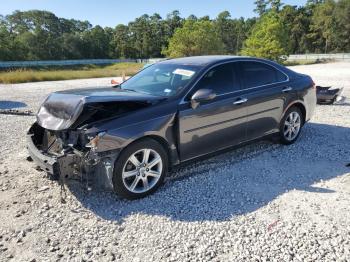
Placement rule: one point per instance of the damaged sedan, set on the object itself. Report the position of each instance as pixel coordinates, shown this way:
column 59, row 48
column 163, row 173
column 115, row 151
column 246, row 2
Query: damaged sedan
column 127, row 137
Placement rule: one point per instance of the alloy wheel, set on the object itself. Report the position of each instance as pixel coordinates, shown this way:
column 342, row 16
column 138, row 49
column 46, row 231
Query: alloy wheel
column 142, row 170
column 292, row 126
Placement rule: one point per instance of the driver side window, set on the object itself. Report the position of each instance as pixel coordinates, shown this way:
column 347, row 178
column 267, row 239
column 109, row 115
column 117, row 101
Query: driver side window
column 221, row 79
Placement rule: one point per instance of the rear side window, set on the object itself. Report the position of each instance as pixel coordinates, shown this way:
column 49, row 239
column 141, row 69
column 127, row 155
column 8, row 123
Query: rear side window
column 222, row 79
column 280, row 76
column 259, row 74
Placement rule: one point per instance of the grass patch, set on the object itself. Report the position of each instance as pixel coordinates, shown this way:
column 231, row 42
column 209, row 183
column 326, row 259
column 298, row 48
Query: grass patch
column 23, row 75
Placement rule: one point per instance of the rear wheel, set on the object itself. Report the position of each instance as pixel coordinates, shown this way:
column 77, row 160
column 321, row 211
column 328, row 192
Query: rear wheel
column 291, row 125
column 140, row 169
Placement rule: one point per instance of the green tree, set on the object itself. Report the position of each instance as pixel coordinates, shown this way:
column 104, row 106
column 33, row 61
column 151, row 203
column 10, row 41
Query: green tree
column 268, row 38
column 172, row 22
column 147, row 35
column 297, row 23
column 275, row 5
column 195, row 38
column 204, row 18
column 261, row 7
column 5, row 45
column 245, row 28
column 322, row 27
column 192, row 17
column 158, row 35
column 318, row 26
column 227, row 31
column 39, row 31
column 121, row 42
column 74, row 26
column 341, row 32
column 96, row 43
column 72, row 46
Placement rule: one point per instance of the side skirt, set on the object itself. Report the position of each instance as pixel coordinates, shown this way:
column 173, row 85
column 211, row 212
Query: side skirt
column 221, row 151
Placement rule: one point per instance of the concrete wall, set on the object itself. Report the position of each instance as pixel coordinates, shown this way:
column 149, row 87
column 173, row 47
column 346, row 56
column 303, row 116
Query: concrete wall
column 338, row 57
column 10, row 64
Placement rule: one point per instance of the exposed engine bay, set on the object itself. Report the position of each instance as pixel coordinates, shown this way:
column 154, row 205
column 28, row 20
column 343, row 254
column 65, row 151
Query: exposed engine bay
column 63, row 140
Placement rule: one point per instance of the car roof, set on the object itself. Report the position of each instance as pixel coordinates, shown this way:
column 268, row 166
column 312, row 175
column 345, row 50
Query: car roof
column 210, row 60
column 207, row 60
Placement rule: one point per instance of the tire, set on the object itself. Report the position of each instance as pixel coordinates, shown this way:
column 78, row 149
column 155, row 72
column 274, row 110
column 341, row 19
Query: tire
column 293, row 115
column 134, row 176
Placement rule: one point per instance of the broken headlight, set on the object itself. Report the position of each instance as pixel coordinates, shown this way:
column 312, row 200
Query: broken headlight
column 94, row 140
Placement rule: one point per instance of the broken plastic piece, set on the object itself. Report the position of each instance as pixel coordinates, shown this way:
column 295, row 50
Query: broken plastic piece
column 327, row 95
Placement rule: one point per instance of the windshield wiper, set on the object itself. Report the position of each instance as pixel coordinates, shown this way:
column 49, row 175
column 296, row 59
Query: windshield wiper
column 126, row 89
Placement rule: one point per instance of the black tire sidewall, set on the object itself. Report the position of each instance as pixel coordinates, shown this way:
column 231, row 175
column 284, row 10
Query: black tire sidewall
column 118, row 184
column 283, row 140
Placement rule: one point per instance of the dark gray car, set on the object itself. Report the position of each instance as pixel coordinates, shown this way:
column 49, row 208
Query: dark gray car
column 127, row 137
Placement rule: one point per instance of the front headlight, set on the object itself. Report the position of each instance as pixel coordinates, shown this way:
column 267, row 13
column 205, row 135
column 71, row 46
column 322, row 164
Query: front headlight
column 94, row 140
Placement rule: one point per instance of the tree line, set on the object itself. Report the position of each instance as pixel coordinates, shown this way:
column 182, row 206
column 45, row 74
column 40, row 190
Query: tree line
column 319, row 26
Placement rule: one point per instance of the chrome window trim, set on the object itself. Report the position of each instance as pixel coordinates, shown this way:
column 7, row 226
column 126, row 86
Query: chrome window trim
column 235, row 61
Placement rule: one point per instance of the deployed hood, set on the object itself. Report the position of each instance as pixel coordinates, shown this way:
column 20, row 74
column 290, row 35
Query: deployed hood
column 62, row 109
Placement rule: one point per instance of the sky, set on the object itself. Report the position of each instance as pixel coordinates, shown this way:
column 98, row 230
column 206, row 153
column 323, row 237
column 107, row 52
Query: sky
column 111, row 13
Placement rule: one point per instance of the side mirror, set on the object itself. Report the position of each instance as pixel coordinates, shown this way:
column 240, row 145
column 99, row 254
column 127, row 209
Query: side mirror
column 200, row 96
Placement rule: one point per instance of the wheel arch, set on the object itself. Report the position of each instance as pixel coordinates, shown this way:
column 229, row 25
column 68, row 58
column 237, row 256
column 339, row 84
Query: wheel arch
column 161, row 140
column 298, row 104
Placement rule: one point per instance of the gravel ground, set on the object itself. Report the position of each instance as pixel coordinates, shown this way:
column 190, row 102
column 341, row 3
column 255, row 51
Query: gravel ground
column 262, row 202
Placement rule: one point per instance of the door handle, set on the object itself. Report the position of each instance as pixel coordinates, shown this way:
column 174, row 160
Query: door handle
column 240, row 101
column 287, row 89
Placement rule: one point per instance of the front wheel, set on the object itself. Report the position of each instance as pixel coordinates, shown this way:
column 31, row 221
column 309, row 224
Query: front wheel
column 290, row 126
column 140, row 169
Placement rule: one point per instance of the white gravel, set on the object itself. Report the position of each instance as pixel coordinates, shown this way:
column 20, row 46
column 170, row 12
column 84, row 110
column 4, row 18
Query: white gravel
column 263, row 202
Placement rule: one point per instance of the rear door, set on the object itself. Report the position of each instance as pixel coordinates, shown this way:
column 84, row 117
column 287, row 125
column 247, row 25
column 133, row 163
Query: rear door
column 215, row 124
column 267, row 91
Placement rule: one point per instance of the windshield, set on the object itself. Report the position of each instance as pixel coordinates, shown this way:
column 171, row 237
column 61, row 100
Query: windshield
column 161, row 79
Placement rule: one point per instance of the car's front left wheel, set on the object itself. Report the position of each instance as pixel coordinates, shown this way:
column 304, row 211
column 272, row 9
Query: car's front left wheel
column 140, row 169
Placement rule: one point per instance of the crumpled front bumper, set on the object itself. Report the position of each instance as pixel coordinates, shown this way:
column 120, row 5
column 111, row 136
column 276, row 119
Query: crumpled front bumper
column 91, row 166
column 45, row 162
column 60, row 165
column 327, row 95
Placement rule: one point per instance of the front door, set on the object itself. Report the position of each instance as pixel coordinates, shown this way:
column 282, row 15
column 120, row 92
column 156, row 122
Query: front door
column 215, row 124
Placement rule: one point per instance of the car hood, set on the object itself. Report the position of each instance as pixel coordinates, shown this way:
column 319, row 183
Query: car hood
column 62, row 109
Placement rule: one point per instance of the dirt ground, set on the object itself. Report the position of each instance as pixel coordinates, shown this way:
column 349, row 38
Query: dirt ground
column 262, row 202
